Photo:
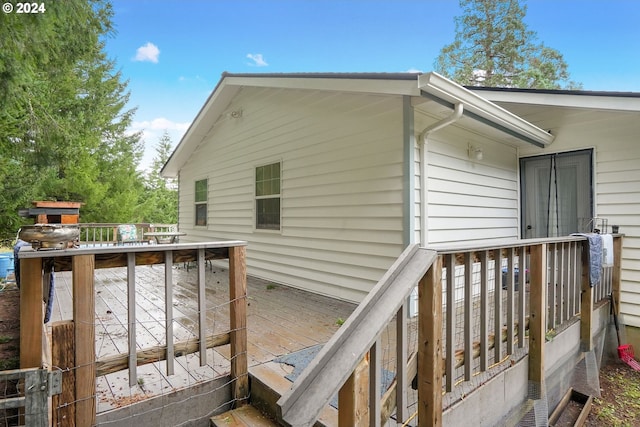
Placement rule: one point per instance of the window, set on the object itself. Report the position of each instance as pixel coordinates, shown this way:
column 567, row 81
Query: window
column 201, row 202
column 557, row 194
column 268, row 197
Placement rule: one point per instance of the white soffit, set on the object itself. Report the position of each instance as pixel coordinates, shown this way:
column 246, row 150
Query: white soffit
column 357, row 83
column 446, row 91
column 230, row 84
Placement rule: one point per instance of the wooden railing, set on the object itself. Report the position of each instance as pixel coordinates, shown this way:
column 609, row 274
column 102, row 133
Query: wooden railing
column 481, row 303
column 97, row 234
column 78, row 337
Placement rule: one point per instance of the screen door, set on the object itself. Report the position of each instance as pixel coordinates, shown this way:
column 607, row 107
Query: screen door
column 556, row 194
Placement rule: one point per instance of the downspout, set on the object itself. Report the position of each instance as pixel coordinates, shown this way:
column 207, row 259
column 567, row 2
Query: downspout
column 422, row 141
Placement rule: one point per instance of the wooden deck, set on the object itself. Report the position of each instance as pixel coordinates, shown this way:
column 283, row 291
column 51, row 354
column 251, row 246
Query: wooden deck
column 281, row 320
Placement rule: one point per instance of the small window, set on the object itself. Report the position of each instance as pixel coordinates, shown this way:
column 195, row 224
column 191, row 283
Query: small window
column 201, row 202
column 268, row 197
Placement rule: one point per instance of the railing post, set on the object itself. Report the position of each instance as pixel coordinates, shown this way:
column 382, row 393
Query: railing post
column 537, row 320
column 238, row 323
column 63, row 358
column 85, row 338
column 202, row 306
column 586, row 302
column 617, row 271
column 168, row 309
column 401, row 355
column 31, row 315
column 375, row 385
column 353, row 397
column 430, row 346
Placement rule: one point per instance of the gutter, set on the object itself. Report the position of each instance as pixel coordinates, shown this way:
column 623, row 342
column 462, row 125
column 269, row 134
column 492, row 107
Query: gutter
column 465, row 102
column 449, row 93
column 422, row 141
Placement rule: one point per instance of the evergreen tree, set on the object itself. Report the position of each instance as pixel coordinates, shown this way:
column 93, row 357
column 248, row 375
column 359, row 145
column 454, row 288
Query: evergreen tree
column 160, row 199
column 494, row 48
column 62, row 115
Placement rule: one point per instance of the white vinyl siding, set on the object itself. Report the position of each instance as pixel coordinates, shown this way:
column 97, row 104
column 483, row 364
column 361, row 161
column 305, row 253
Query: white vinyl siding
column 471, row 201
column 341, row 186
column 617, row 190
column 618, row 196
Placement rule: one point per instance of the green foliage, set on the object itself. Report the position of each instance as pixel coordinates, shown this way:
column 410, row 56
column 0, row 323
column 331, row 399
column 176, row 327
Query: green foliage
column 63, row 117
column 494, row 48
column 159, row 203
column 10, row 363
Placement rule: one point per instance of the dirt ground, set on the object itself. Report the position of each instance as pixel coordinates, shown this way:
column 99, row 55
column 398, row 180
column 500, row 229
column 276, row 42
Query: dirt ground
column 9, row 327
column 9, row 347
column 619, row 405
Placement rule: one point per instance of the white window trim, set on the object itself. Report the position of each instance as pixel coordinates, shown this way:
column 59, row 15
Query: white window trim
column 256, row 197
column 195, row 203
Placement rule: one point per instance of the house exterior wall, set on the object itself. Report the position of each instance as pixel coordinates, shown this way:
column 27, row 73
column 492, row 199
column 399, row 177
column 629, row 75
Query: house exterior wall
column 617, row 191
column 470, row 201
column 341, row 188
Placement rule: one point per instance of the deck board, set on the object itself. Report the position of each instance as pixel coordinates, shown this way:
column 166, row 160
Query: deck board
column 280, row 320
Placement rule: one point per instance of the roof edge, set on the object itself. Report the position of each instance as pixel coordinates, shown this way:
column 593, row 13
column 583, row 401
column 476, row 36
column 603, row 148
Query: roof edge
column 556, row 91
column 594, row 100
column 480, row 108
column 329, row 75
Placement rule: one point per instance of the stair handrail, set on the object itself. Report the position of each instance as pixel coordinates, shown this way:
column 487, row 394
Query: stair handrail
column 339, row 357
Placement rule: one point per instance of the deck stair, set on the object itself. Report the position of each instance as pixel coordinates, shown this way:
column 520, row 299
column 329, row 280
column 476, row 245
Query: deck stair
column 267, row 385
column 246, row 415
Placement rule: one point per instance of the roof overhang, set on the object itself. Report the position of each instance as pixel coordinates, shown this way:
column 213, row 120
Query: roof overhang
column 230, row 84
column 449, row 93
column 594, row 100
column 429, row 86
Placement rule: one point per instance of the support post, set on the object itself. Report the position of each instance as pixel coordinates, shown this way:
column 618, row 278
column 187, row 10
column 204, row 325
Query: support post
column 202, row 309
column 375, row 386
column 238, row 323
column 430, row 346
column 617, row 270
column 168, row 309
column 586, row 302
column 401, row 355
column 353, row 397
column 31, row 315
column 63, row 357
column 537, row 318
column 131, row 318
column 85, row 340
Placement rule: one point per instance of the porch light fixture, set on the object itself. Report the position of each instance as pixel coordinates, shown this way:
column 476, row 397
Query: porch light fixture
column 475, row 153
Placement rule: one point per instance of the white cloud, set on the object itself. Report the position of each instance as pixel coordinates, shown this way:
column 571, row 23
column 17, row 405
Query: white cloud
column 152, row 131
column 193, row 79
column 148, row 52
column 258, row 59
column 160, row 123
column 413, row 70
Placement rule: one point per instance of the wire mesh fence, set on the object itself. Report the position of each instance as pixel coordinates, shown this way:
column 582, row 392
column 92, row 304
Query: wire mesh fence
column 485, row 311
column 137, row 336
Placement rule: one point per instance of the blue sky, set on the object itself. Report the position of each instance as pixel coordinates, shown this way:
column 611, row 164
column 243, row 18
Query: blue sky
column 174, row 52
